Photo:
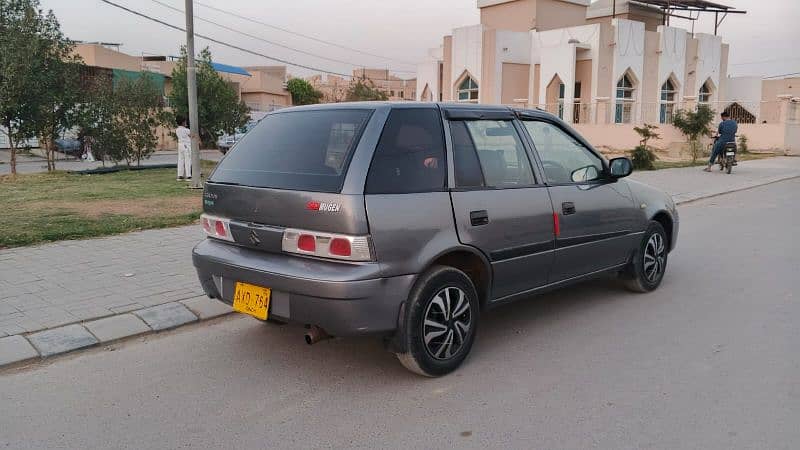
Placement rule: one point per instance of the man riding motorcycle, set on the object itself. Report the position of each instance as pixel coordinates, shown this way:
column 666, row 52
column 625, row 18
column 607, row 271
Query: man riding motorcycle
column 727, row 133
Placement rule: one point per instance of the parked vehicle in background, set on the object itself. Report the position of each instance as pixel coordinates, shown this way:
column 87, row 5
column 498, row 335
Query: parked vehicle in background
column 227, row 141
column 70, row 147
column 409, row 220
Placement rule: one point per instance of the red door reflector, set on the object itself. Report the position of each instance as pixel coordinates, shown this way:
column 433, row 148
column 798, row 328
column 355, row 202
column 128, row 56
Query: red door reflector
column 556, row 225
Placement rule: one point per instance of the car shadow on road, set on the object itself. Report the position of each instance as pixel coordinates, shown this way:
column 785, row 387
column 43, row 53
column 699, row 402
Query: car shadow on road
column 366, row 357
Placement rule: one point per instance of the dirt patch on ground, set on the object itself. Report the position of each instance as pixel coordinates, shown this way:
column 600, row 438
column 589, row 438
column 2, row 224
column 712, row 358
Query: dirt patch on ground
column 173, row 206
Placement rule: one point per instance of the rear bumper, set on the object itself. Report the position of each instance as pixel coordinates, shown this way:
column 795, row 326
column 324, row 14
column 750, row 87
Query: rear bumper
column 344, row 299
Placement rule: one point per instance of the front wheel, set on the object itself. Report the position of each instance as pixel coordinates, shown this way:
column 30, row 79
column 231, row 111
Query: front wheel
column 440, row 322
column 646, row 269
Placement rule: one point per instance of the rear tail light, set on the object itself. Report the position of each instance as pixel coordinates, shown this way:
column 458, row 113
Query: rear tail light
column 216, row 227
column 340, row 247
column 325, row 245
column 307, row 243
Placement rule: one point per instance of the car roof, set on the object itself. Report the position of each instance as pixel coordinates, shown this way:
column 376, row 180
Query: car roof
column 452, row 109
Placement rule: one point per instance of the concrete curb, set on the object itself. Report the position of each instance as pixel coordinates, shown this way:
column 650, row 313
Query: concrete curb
column 19, row 349
column 24, row 348
column 694, row 198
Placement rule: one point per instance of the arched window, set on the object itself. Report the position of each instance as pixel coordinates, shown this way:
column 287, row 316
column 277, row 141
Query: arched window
column 667, row 106
column 468, row 91
column 625, row 97
column 705, row 93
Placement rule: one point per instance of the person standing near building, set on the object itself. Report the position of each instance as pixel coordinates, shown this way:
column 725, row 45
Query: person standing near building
column 184, row 151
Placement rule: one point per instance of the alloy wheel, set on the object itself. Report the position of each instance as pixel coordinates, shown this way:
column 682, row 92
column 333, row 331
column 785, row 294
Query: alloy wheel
column 447, row 324
column 654, row 257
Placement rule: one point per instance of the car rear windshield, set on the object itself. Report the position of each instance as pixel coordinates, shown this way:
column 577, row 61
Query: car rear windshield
column 302, row 150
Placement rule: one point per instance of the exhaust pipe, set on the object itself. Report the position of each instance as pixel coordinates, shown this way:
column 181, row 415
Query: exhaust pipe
column 315, row 334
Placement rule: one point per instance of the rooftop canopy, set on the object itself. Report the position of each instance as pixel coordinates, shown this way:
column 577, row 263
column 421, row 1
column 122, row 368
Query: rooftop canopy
column 693, row 7
column 690, row 5
column 219, row 67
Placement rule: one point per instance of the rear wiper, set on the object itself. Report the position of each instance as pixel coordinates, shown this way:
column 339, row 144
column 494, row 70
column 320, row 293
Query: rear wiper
column 227, row 183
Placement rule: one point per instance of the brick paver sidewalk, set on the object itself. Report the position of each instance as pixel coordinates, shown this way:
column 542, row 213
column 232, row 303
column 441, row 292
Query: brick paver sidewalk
column 70, row 281
column 56, row 284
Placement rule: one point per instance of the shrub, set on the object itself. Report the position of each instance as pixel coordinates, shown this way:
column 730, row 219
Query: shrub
column 694, row 125
column 643, row 156
column 742, row 144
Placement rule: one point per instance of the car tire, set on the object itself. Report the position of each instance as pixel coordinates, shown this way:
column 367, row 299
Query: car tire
column 440, row 323
column 649, row 263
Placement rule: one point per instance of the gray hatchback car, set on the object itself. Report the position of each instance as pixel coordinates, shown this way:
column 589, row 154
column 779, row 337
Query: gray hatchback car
column 409, row 220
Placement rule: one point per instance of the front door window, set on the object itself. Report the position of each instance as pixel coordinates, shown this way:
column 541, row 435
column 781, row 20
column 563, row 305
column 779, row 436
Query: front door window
column 565, row 160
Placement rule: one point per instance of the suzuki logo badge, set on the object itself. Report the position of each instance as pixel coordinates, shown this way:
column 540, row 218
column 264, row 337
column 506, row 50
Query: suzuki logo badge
column 254, row 238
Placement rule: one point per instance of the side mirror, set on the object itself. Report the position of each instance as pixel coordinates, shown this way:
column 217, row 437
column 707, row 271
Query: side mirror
column 620, row 167
column 587, row 173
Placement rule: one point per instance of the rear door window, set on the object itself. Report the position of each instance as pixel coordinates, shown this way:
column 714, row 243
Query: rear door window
column 410, row 154
column 489, row 153
column 302, row 150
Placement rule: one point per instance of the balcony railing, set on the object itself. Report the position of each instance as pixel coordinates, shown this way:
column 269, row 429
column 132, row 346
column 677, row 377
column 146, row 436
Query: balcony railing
column 655, row 112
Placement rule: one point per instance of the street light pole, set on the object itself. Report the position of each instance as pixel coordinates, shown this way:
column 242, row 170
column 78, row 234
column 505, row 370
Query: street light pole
column 191, row 83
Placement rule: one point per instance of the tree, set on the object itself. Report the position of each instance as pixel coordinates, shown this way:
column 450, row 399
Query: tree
column 59, row 108
column 140, row 111
column 694, row 125
column 219, row 108
column 303, row 93
column 121, row 119
column 32, row 57
column 643, row 156
column 364, row 90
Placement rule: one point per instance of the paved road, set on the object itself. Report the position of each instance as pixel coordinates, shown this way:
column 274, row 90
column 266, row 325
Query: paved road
column 708, row 361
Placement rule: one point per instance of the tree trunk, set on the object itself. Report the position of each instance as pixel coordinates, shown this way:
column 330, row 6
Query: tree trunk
column 49, row 154
column 13, row 155
column 13, row 145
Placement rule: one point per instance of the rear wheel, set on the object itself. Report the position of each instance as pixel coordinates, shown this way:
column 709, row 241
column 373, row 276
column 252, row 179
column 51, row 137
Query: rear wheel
column 729, row 166
column 646, row 269
column 440, row 323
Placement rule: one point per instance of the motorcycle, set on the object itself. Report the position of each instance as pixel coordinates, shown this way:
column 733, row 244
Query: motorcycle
column 727, row 157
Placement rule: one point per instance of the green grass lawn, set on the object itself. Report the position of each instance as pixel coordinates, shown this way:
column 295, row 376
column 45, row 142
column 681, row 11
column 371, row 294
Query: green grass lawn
column 50, row 207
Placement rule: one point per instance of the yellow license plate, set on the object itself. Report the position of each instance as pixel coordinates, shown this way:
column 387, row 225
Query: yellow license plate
column 251, row 299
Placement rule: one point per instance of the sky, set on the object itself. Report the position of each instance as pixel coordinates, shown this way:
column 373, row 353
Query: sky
column 386, row 34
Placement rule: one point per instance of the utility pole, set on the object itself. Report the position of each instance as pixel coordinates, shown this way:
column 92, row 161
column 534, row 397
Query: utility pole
column 191, row 83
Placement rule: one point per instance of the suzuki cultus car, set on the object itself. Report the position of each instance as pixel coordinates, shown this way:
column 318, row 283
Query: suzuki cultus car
column 409, row 220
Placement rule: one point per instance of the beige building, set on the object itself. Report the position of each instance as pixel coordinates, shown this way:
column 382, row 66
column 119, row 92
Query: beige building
column 592, row 64
column 262, row 88
column 334, row 88
column 265, row 90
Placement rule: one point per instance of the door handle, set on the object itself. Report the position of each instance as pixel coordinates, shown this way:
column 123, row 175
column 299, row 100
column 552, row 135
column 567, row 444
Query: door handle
column 568, row 208
column 478, row 218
